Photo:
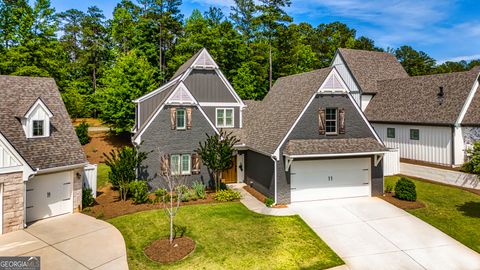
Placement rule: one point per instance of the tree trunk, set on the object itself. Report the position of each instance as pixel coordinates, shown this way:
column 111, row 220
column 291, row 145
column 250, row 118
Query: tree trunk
column 171, row 217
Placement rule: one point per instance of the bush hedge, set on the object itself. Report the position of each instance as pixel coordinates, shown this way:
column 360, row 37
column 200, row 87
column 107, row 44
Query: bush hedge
column 405, row 190
column 227, row 195
column 139, row 191
column 82, row 133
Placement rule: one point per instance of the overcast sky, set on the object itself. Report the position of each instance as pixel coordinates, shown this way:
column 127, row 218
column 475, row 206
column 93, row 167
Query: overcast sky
column 445, row 29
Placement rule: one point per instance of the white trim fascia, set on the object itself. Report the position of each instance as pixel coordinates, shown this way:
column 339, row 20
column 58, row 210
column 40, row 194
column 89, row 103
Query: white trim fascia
column 208, row 119
column 62, row 168
column 240, row 113
column 225, row 117
column 1, row 208
column 229, row 87
column 37, row 103
column 181, row 86
column 335, row 73
column 11, row 169
column 27, row 169
column 337, row 154
column 469, row 100
column 220, row 104
column 136, row 137
column 156, row 91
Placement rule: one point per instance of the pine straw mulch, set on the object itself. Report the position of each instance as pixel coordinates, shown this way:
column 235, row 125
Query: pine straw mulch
column 108, row 204
column 389, row 197
column 259, row 196
column 103, row 142
column 163, row 252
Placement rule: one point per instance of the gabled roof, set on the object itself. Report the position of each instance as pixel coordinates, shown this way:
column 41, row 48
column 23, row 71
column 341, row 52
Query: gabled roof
column 184, row 67
column 333, row 146
column 269, row 121
column 368, row 67
column 414, row 99
column 62, row 147
column 472, row 116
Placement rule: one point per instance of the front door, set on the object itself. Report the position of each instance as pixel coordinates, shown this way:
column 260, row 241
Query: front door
column 230, row 176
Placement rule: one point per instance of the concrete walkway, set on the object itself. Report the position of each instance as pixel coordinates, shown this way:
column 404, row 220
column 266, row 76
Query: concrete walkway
column 369, row 233
column 72, row 241
column 440, row 175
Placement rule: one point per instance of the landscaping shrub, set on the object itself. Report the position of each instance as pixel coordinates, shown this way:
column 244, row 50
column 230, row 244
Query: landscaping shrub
column 223, row 186
column 160, row 193
column 227, row 195
column 182, row 193
column 179, row 230
column 388, row 188
column 139, row 191
column 473, row 165
column 405, row 190
column 192, row 195
column 82, row 133
column 87, row 197
column 199, row 188
column 269, row 202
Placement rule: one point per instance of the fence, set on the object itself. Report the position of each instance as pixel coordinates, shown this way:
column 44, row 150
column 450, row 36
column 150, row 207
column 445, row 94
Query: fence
column 90, row 178
column 391, row 162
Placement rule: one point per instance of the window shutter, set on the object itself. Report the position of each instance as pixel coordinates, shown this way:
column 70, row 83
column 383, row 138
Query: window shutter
column 164, row 164
column 341, row 121
column 173, row 117
column 189, row 118
column 195, row 164
column 321, row 121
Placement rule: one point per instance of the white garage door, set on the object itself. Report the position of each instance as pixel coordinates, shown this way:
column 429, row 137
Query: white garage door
column 49, row 195
column 330, row 179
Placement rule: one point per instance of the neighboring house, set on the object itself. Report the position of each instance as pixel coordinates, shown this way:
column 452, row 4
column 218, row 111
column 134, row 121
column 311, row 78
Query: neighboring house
column 41, row 159
column 432, row 118
column 174, row 118
column 307, row 140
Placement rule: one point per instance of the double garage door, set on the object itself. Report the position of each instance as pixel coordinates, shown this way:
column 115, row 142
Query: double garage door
column 330, row 179
column 49, row 195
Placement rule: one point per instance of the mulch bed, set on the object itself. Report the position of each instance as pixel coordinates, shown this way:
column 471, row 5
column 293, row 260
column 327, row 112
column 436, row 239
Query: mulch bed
column 103, row 142
column 259, row 196
column 163, row 252
column 389, row 197
column 108, row 205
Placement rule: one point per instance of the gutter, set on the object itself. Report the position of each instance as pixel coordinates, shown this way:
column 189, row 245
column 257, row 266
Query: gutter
column 337, row 155
column 63, row 168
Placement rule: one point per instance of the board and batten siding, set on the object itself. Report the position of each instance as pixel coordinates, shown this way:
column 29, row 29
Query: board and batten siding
column 434, row 144
column 7, row 159
column 148, row 106
column 347, row 78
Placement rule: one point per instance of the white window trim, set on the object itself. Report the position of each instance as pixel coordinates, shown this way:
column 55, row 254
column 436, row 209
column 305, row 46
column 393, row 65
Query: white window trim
column 223, row 125
column 189, row 171
column 184, row 119
column 394, row 133
column 178, row 164
column 43, row 128
column 327, row 120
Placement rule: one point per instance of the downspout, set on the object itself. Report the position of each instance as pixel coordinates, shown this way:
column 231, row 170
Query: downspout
column 275, row 177
column 452, row 162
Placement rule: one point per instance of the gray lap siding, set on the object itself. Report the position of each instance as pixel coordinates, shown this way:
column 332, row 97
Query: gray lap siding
column 160, row 138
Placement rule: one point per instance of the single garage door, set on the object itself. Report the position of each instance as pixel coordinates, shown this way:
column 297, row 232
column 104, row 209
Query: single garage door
column 49, row 195
column 330, row 179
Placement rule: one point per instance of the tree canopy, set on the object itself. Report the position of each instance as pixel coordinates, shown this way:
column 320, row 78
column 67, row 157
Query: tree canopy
column 98, row 62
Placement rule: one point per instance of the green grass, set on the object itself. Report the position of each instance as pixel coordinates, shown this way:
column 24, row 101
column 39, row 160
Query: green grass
column 228, row 236
column 454, row 211
column 102, row 175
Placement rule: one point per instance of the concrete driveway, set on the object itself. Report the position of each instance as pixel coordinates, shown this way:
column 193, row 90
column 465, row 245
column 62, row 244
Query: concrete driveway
column 369, row 233
column 72, row 241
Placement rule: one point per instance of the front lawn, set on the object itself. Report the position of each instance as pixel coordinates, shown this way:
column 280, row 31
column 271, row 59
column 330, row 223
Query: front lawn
column 452, row 210
column 228, row 236
column 102, row 175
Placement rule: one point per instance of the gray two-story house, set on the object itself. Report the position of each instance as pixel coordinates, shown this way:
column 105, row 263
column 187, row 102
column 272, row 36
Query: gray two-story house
column 306, row 140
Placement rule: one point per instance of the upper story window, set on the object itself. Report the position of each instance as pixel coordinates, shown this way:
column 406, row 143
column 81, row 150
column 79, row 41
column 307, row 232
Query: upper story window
column 224, row 118
column 331, row 121
column 414, row 134
column 390, row 133
column 181, row 119
column 38, row 128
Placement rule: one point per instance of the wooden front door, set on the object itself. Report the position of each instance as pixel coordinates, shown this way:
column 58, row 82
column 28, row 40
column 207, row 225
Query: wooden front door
column 230, row 176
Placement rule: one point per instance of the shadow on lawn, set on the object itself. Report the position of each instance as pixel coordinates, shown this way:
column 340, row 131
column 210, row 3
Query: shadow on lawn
column 471, row 209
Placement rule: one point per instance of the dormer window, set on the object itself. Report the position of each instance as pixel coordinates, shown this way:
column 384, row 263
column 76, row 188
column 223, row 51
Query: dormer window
column 38, row 129
column 36, row 122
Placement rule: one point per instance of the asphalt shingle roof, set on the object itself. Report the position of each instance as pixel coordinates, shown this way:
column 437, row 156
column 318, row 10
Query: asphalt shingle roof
column 368, row 67
column 414, row 99
column 268, row 122
column 333, row 146
column 17, row 95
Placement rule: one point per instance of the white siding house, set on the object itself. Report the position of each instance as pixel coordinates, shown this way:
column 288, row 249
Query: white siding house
column 348, row 79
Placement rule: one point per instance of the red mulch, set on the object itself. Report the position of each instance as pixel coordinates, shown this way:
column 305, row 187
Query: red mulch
column 163, row 252
column 103, row 142
column 259, row 196
column 389, row 197
column 108, row 204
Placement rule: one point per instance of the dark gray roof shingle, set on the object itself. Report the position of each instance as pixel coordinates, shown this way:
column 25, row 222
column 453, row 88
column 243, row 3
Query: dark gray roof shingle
column 414, row 99
column 333, row 146
column 268, row 121
column 472, row 117
column 368, row 67
column 62, row 148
